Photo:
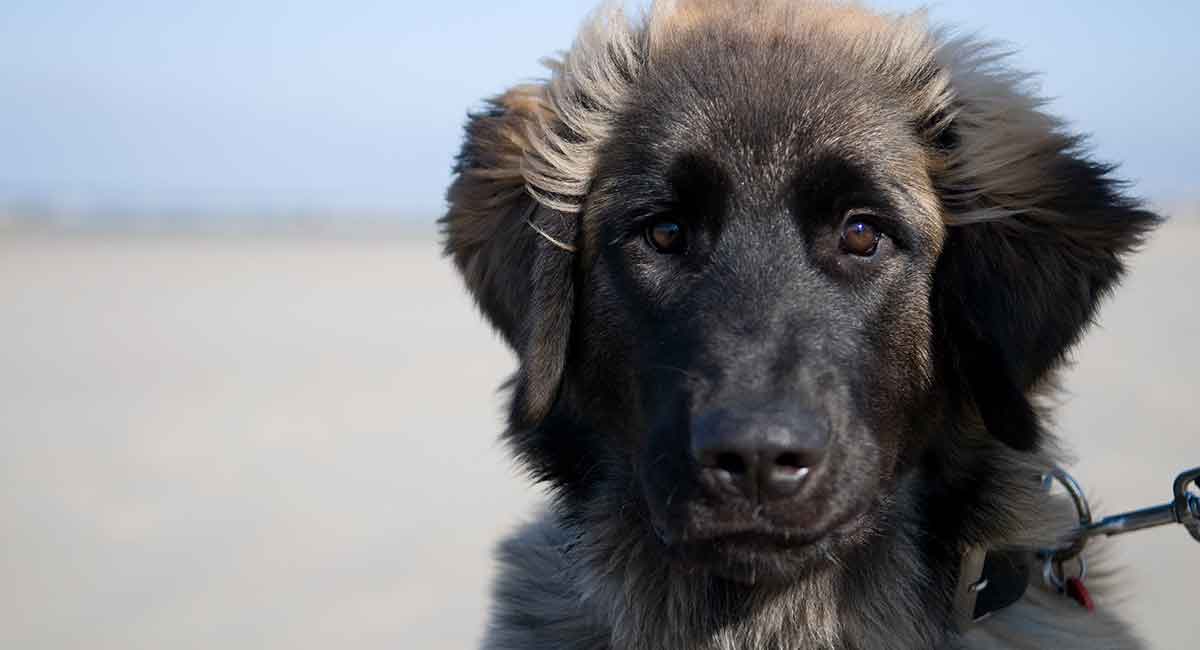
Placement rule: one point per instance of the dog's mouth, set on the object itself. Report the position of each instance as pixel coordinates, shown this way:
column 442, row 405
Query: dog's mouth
column 762, row 551
column 764, row 538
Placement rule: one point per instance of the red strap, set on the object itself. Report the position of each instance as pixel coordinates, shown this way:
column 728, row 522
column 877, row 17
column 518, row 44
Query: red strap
column 1079, row 593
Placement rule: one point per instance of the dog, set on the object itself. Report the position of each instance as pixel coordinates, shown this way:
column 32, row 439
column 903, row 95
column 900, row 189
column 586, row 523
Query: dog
column 789, row 283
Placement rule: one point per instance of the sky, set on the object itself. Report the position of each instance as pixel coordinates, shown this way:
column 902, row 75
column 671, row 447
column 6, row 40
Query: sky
column 273, row 106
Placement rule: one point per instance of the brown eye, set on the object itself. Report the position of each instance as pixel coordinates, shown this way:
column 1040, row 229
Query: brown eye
column 666, row 237
column 860, row 238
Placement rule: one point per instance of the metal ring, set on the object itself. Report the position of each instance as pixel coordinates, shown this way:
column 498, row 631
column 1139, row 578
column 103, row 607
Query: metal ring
column 1059, row 581
column 1081, row 508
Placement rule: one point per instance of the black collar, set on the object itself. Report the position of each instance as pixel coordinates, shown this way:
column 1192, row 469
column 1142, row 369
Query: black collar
column 989, row 581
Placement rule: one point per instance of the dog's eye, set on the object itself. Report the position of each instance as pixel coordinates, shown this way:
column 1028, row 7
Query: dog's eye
column 860, row 238
column 666, row 237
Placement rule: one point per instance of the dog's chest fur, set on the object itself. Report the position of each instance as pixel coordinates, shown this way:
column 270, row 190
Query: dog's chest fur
column 558, row 590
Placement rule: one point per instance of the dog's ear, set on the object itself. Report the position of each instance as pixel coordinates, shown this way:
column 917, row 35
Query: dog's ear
column 515, row 254
column 1036, row 236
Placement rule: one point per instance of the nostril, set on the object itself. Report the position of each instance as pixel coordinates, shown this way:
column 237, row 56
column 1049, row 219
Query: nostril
column 785, row 474
column 789, row 461
column 730, row 462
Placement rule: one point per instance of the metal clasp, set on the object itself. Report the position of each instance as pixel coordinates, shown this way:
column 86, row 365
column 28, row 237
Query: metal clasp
column 1187, row 503
column 1184, row 509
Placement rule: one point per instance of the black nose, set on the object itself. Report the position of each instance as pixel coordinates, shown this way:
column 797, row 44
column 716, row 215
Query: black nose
column 759, row 455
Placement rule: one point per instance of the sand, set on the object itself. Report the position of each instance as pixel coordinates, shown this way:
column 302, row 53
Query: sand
column 289, row 442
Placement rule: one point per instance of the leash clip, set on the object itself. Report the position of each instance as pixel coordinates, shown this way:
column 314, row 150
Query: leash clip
column 1184, row 509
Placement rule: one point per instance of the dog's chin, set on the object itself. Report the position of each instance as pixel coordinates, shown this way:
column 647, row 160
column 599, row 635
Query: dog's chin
column 754, row 558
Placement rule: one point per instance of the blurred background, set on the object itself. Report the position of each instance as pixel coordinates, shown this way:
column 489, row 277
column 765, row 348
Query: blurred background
column 245, row 404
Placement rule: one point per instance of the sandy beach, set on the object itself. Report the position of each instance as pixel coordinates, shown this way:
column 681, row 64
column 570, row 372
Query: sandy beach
column 290, row 441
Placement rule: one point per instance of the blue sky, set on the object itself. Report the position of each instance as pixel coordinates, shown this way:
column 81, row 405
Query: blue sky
column 280, row 106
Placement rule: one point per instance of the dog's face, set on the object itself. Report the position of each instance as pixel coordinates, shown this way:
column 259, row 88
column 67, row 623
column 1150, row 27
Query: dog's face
column 779, row 260
column 760, row 284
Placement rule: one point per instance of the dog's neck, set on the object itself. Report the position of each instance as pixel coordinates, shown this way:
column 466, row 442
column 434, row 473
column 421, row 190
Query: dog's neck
column 572, row 584
column 652, row 603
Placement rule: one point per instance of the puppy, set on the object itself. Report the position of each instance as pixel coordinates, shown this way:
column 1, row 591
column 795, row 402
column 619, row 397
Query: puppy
column 787, row 282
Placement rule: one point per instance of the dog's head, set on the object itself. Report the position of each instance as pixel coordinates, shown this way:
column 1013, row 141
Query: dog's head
column 760, row 264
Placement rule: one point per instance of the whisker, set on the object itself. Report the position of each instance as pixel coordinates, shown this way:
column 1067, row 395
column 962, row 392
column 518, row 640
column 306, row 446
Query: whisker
column 690, row 375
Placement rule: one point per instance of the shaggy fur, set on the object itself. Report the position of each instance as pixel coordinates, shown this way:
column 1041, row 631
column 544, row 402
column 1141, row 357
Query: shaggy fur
column 1013, row 237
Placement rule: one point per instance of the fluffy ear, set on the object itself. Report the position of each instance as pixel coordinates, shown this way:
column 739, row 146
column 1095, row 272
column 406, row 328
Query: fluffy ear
column 1036, row 236
column 522, row 178
column 520, row 277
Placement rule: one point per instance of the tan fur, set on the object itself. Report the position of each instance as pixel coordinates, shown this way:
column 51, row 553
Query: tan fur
column 589, row 82
column 1007, row 141
column 493, row 185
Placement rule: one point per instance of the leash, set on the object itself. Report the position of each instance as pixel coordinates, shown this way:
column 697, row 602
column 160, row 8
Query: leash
column 990, row 580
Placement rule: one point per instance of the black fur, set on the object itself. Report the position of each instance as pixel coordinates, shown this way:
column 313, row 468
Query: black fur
column 759, row 149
